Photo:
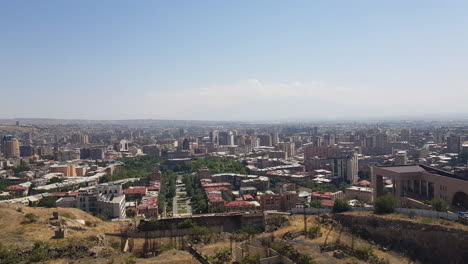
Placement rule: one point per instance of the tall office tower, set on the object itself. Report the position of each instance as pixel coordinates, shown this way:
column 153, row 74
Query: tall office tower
column 223, row 138
column 380, row 140
column 186, row 144
column 265, row 140
column 405, row 135
column 214, row 137
column 10, row 147
column 453, row 144
column 439, row 136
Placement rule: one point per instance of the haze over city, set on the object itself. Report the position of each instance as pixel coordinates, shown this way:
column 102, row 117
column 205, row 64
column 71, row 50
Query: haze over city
column 242, row 60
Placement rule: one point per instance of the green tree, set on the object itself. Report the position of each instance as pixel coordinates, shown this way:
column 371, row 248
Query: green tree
column 341, row 206
column 55, row 180
column 48, row 201
column 385, row 204
column 439, row 205
column 130, row 213
column 316, row 204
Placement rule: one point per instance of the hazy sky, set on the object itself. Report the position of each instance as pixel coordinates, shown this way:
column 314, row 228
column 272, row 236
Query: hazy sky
column 224, row 60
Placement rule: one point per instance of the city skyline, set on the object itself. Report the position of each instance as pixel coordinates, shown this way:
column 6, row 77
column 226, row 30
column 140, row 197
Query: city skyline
column 321, row 60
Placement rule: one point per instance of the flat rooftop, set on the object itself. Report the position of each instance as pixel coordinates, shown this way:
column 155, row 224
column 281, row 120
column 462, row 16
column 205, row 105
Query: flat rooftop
column 422, row 168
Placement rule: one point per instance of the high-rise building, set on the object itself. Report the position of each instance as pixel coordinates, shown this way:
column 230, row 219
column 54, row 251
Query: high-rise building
column 10, row 147
column 288, row 147
column 380, row 140
column 439, row 136
column 214, row 137
column 27, row 151
column 223, row 138
column 79, row 138
column 453, row 144
column 265, row 140
column 345, row 167
column 230, row 138
column 329, row 140
column 186, row 144
column 405, row 134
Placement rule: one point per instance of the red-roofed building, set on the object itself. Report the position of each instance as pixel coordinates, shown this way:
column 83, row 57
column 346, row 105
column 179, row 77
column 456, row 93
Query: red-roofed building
column 321, row 195
column 216, row 189
column 219, row 184
column 238, row 206
column 17, row 190
column 215, row 202
column 135, row 192
column 154, row 186
column 148, row 206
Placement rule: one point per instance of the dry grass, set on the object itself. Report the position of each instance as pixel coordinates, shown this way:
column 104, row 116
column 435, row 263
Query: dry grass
column 16, row 233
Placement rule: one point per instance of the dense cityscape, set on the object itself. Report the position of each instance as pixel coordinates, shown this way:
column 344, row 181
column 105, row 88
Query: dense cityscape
column 174, row 171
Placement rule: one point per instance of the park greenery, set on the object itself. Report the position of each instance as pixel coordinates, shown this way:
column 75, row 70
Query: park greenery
column 215, row 165
column 195, row 190
column 140, row 167
column 167, row 191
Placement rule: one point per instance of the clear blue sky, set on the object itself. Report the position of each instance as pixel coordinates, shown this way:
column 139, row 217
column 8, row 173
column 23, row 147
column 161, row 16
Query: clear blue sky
column 238, row 60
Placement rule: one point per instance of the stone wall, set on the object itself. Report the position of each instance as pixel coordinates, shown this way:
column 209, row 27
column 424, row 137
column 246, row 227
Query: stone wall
column 424, row 242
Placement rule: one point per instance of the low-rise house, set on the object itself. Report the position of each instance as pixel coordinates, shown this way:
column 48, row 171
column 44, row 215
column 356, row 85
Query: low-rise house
column 238, row 206
column 148, row 206
column 17, row 190
column 135, row 192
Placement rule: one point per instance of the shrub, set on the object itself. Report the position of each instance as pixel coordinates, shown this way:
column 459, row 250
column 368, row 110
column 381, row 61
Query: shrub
column 341, row 206
column 30, row 218
column 187, row 223
column 251, row 259
column 40, row 252
column 222, row 255
column 9, row 256
column 385, row 204
column 130, row 213
column 316, row 204
column 314, row 232
column 364, row 253
column 439, row 205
